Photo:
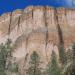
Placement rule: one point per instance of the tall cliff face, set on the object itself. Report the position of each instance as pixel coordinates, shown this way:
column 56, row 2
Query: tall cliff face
column 35, row 29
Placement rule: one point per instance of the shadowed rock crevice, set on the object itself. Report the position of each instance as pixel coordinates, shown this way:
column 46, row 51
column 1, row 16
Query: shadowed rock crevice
column 46, row 31
column 61, row 47
column 9, row 29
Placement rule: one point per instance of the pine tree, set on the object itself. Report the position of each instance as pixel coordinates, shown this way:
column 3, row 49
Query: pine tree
column 34, row 68
column 3, row 57
column 62, row 55
column 69, row 55
column 73, row 48
column 73, row 65
column 8, row 47
column 53, row 67
column 12, row 67
column 69, row 68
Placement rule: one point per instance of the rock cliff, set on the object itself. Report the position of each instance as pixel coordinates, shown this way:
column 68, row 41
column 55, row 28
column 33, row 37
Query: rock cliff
column 38, row 29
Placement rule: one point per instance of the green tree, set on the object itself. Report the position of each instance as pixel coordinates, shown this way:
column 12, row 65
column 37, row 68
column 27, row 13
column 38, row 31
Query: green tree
column 14, row 67
column 73, row 48
column 69, row 68
column 34, row 68
column 62, row 55
column 9, row 47
column 73, row 61
column 53, row 67
column 3, row 54
column 69, row 55
column 3, row 57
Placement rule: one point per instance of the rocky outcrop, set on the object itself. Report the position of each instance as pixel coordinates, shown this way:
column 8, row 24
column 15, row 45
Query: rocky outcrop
column 36, row 29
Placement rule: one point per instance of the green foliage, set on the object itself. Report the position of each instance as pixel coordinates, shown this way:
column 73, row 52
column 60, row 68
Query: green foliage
column 53, row 67
column 69, row 55
column 69, row 68
column 4, row 51
column 34, row 68
column 8, row 47
column 62, row 55
column 73, row 48
column 3, row 55
column 14, row 67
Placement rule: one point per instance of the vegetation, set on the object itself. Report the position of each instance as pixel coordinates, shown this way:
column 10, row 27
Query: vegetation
column 53, row 67
column 34, row 64
column 69, row 68
column 62, row 55
column 34, row 68
column 73, row 48
column 5, row 51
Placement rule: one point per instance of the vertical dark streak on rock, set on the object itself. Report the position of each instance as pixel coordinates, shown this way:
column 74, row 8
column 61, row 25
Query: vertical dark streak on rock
column 60, row 36
column 9, row 29
column 26, row 42
column 19, row 19
column 26, row 56
column 27, row 39
column 46, row 38
column 19, row 22
column 61, row 41
column 32, row 13
column 66, row 15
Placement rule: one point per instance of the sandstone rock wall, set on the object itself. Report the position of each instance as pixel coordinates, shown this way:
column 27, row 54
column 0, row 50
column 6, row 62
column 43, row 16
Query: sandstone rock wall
column 35, row 29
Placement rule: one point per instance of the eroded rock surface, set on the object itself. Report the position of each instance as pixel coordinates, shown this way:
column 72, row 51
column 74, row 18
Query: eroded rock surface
column 35, row 29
